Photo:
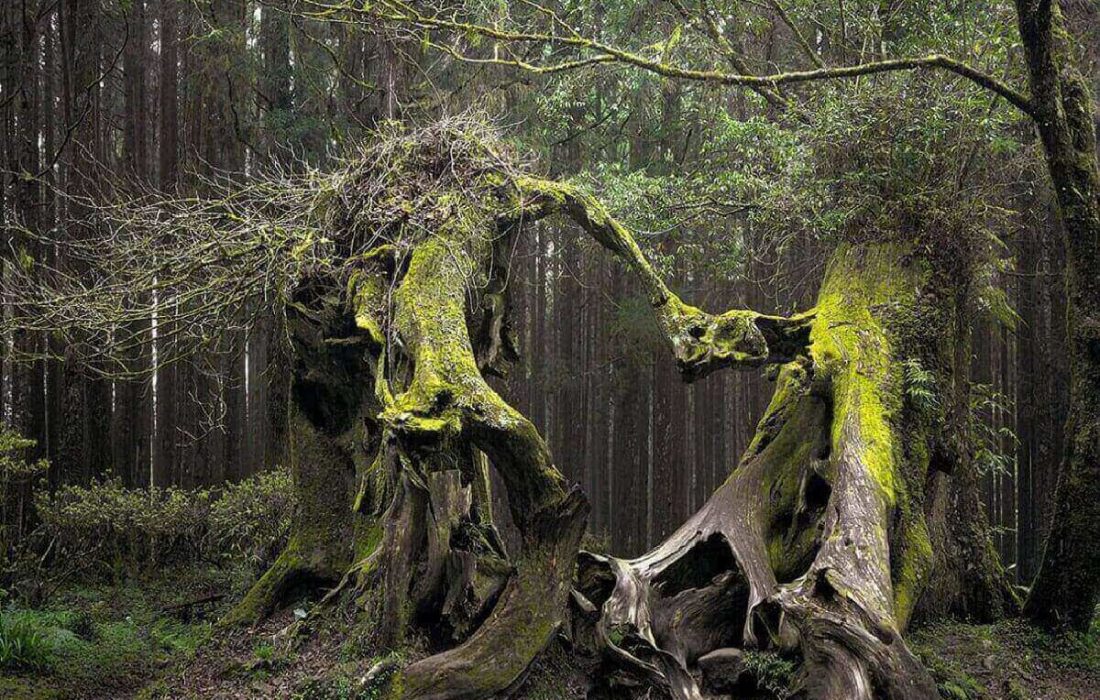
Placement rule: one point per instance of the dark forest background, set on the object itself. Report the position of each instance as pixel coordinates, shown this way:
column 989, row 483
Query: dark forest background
column 171, row 95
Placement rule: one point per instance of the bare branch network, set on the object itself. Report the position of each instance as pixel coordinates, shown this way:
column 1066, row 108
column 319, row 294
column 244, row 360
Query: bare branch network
column 192, row 270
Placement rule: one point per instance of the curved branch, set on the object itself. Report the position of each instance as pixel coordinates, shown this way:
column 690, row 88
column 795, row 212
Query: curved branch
column 701, row 342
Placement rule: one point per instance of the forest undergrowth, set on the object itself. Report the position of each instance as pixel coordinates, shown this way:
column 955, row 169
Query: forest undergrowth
column 154, row 635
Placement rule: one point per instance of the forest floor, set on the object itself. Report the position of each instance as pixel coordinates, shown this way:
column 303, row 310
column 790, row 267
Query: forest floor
column 155, row 638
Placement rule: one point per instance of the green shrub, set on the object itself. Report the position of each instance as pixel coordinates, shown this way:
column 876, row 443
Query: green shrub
column 24, row 645
column 771, row 671
column 250, row 520
column 17, row 474
column 120, row 531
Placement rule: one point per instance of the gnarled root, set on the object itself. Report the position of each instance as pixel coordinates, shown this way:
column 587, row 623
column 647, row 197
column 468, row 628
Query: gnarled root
column 532, row 606
column 293, row 571
column 713, row 585
column 816, row 542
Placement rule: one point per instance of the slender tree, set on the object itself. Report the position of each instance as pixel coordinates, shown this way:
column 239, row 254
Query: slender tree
column 1067, row 587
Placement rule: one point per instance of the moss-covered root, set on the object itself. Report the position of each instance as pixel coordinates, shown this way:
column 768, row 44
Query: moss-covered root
column 496, row 658
column 291, row 571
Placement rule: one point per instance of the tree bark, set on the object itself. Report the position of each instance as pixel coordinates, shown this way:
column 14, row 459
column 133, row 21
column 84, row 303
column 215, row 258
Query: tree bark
column 818, row 540
column 83, row 448
column 390, row 417
column 1067, row 586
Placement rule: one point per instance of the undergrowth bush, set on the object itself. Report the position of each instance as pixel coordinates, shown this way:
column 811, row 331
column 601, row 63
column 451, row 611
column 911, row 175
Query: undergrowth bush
column 24, row 645
column 772, row 672
column 120, row 531
column 250, row 521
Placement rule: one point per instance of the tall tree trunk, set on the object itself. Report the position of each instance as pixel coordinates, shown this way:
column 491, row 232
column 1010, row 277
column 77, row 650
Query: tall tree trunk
column 130, row 420
column 1066, row 589
column 166, row 391
column 84, row 452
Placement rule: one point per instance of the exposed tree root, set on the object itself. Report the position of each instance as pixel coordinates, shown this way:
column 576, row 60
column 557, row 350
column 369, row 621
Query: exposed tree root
column 826, row 548
column 522, row 623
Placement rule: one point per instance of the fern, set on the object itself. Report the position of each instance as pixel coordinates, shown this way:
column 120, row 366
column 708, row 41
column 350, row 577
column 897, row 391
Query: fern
column 920, row 386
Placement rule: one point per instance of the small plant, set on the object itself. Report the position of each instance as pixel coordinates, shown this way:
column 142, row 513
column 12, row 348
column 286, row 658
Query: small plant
column 920, row 386
column 772, row 672
column 995, row 441
column 24, row 645
column 16, row 474
column 12, row 465
column 264, row 651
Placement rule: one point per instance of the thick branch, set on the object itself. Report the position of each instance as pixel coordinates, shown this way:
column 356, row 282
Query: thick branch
column 701, row 342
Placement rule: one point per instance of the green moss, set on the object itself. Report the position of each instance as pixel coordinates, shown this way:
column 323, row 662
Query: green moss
column 851, row 346
column 912, row 574
column 107, row 641
column 368, row 539
column 781, row 440
column 366, row 292
column 21, row 688
column 264, row 595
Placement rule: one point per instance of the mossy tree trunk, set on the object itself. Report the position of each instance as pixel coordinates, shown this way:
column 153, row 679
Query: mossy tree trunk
column 392, row 431
column 818, row 540
column 1067, row 586
column 331, row 432
column 969, row 581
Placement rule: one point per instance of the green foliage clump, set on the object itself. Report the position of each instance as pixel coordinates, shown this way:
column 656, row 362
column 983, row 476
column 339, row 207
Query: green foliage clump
column 16, row 471
column 24, row 645
column 13, row 466
column 250, row 520
column 337, row 687
column 920, row 385
column 772, row 672
column 995, row 441
column 121, row 531
column 94, row 640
